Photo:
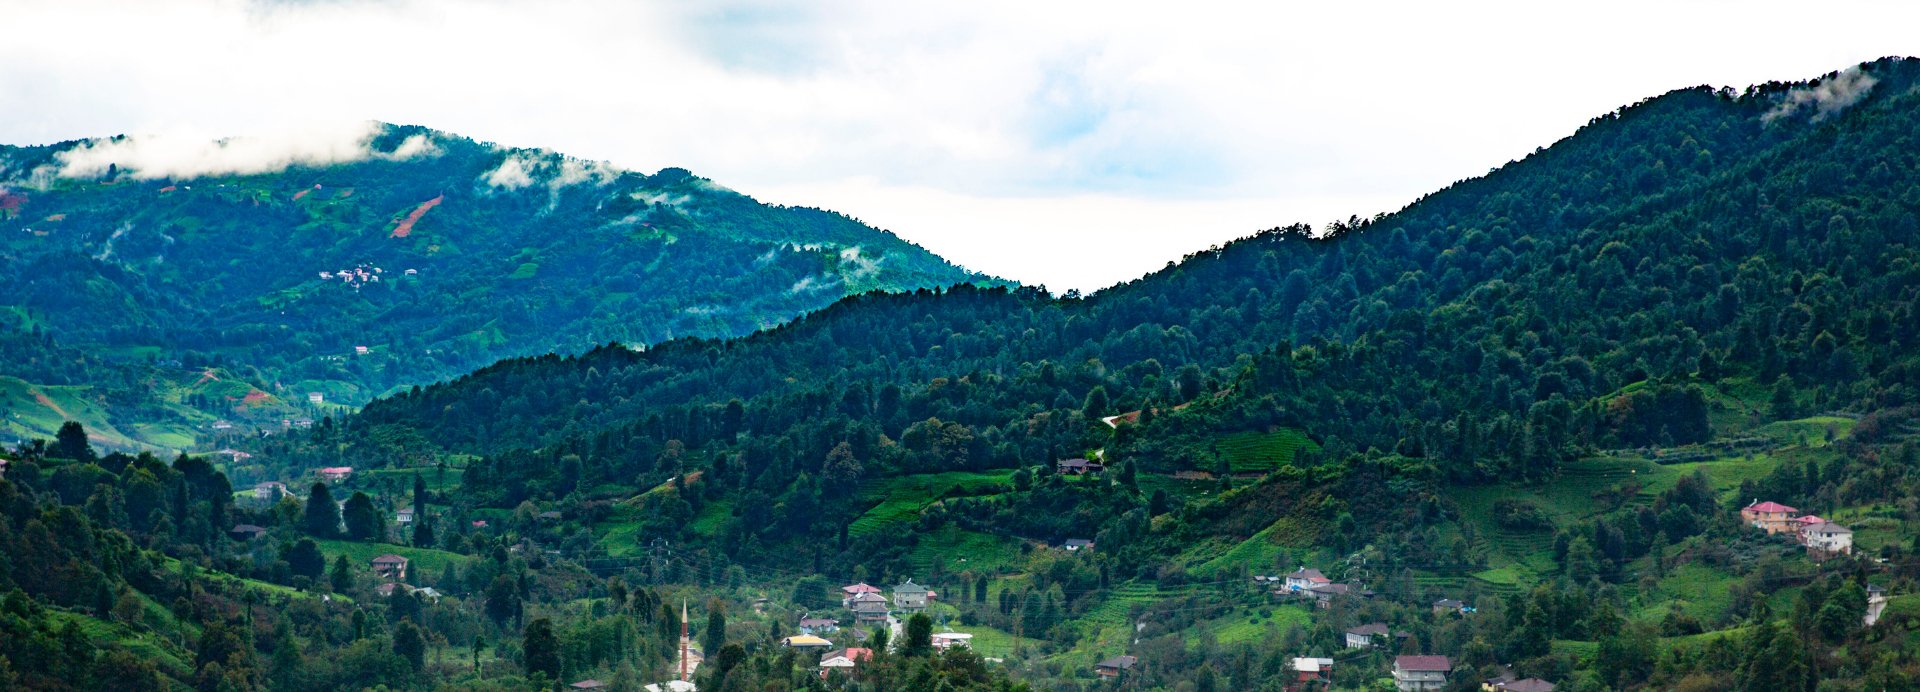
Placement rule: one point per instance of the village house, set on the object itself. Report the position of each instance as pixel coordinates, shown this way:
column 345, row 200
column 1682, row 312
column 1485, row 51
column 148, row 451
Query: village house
column 819, row 625
column 589, row 684
column 316, row 398
column 671, row 686
column 1077, row 467
column 844, row 660
column 1771, row 517
column 1308, row 670
column 1827, row 540
column 270, row 491
column 869, row 608
column 851, row 590
column 1114, row 667
column 1304, row 578
column 1368, row 635
column 1421, row 672
column 1446, row 606
column 403, row 516
column 1521, row 685
column 335, row 473
column 948, row 640
column 1075, row 544
column 1324, row 594
column 247, row 532
column 222, row 425
column 390, row 566
column 805, row 642
column 910, row 597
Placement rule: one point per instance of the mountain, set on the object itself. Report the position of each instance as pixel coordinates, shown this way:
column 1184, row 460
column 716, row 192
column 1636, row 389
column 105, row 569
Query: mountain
column 393, row 257
column 1516, row 421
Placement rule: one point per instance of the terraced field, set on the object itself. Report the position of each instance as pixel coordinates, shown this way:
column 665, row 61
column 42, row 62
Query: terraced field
column 1263, row 451
column 898, row 500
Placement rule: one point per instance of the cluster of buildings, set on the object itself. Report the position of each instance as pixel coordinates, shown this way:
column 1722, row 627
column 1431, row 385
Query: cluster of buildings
column 1823, row 539
column 1311, row 584
column 870, row 606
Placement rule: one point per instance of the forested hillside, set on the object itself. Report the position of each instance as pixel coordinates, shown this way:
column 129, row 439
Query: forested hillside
column 426, row 256
column 1516, row 422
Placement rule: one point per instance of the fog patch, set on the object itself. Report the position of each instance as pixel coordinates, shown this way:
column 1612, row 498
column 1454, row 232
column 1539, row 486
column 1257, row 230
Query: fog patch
column 1826, row 98
column 186, row 157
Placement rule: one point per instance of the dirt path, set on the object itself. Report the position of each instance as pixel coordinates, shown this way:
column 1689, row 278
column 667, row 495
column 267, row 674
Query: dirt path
column 42, row 399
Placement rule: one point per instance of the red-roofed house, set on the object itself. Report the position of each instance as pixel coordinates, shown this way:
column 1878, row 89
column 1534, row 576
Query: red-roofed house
column 336, row 473
column 1771, row 517
column 1421, row 672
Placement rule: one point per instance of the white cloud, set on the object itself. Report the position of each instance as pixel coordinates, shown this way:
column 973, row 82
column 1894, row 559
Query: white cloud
column 1030, row 120
column 183, row 156
column 1827, row 98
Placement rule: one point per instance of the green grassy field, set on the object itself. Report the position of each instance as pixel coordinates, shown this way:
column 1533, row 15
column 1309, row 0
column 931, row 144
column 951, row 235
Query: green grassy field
column 1263, row 451
column 900, row 499
column 960, row 550
column 1261, row 553
column 422, row 560
column 1246, row 624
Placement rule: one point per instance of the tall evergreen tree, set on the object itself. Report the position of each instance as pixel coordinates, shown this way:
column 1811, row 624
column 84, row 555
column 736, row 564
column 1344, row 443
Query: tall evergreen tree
column 323, row 515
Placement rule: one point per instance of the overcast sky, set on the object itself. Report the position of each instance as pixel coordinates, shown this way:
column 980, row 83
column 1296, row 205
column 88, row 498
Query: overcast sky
column 1068, row 144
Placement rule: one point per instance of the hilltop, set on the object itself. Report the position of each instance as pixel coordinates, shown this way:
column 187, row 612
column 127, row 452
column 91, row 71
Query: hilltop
column 396, row 257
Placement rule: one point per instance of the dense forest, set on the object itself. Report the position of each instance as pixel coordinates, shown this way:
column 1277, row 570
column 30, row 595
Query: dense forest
column 1520, row 419
column 428, row 257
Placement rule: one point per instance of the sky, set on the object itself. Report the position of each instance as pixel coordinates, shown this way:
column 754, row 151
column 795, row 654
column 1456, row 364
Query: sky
column 1068, row 144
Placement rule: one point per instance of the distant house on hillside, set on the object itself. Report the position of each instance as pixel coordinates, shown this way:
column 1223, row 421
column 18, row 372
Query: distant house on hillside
column 335, row 473
column 1304, row 578
column 403, row 516
column 910, row 597
column 270, row 491
column 1771, row 517
column 247, row 532
column 390, row 566
column 948, row 640
column 1447, row 606
column 1827, row 539
column 590, row 684
column 1114, row 667
column 316, row 398
column 1521, row 685
column 844, row 660
column 1421, row 672
column 1366, row 636
column 1075, row 544
column 1077, row 467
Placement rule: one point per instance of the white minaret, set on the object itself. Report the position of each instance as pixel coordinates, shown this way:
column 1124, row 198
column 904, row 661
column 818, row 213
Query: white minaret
column 683, row 641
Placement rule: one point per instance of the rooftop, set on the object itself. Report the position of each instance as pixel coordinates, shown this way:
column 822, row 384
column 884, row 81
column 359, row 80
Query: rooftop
column 1423, row 663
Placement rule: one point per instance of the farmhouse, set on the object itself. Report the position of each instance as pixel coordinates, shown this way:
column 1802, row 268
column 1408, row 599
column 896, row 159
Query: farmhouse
column 1324, row 594
column 1827, row 539
column 390, row 566
column 270, row 491
column 1304, row 578
column 1075, row 544
column 589, row 684
column 316, row 398
column 910, row 597
column 1771, row 517
column 1521, row 685
column 336, row 473
column 403, row 516
column 1448, row 605
column 1114, row 667
column 1077, row 467
column 1421, row 672
column 1368, row 635
column 948, row 640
